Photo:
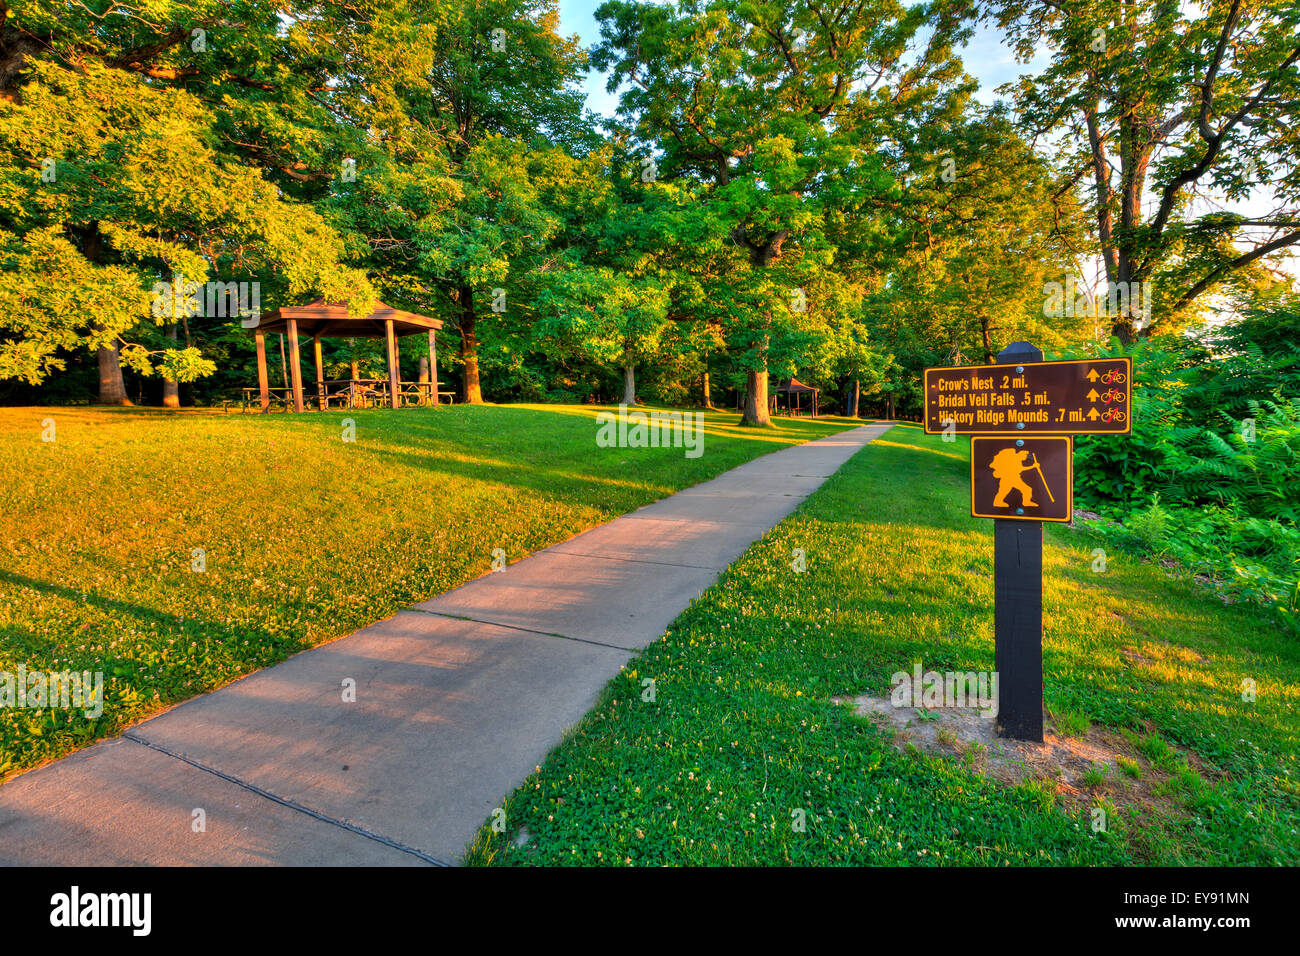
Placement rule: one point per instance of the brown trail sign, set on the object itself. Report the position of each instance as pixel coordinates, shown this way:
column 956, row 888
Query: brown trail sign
column 1088, row 397
column 1021, row 478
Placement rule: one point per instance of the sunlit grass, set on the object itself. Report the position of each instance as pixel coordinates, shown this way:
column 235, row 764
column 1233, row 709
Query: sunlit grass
column 741, row 739
column 306, row 537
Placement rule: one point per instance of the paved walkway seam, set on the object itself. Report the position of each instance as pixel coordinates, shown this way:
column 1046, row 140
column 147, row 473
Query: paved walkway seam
column 662, row 564
column 289, row 804
column 515, row 627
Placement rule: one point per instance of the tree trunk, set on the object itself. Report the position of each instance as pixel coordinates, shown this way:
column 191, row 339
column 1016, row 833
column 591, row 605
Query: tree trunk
column 988, row 342
column 761, row 255
column 1122, row 325
column 423, row 375
column 471, row 392
column 852, row 409
column 629, row 384
column 706, row 389
column 756, row 410
column 171, row 390
column 1123, row 329
column 112, row 389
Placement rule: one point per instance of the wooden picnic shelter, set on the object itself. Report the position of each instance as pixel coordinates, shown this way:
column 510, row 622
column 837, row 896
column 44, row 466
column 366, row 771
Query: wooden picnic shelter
column 794, row 391
column 319, row 320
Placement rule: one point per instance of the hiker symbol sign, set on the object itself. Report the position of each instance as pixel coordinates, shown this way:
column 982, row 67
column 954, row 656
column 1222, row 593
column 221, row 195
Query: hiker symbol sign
column 1028, row 479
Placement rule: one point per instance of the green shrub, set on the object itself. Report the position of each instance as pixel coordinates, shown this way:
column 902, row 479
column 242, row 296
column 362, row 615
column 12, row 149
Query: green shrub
column 1210, row 475
column 1245, row 558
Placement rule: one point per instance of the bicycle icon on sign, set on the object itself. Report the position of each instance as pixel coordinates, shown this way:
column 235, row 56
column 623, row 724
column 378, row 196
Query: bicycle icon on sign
column 1114, row 377
column 1113, row 415
column 1114, row 395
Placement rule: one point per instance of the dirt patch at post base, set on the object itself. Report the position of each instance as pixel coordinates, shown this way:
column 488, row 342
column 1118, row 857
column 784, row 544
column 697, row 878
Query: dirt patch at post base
column 1061, row 760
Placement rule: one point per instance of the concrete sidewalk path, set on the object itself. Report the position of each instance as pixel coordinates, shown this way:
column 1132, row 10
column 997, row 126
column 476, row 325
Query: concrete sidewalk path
column 456, row 701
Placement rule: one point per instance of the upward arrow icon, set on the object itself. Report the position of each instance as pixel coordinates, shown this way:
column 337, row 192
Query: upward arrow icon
column 1092, row 414
column 1092, row 375
column 1092, row 395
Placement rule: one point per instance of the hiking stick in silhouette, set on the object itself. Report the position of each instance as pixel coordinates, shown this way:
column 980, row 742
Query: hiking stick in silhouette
column 1042, row 478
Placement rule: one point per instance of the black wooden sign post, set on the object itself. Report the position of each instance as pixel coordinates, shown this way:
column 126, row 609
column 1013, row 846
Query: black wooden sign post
column 1018, row 607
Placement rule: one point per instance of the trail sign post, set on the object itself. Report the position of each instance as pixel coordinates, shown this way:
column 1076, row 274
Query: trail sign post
column 1021, row 477
column 1018, row 607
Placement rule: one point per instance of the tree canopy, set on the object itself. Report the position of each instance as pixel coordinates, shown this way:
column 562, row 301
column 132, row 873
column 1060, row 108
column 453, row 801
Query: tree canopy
column 789, row 188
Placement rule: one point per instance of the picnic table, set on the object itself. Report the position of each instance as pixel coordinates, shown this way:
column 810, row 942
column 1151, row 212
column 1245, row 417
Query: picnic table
column 350, row 393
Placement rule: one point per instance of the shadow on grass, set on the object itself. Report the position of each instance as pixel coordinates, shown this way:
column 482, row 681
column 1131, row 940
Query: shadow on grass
column 124, row 615
column 647, row 473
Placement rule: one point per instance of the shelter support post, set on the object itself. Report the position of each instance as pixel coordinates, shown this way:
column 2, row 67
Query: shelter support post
column 263, row 389
column 295, row 365
column 394, row 395
column 320, row 373
column 433, row 369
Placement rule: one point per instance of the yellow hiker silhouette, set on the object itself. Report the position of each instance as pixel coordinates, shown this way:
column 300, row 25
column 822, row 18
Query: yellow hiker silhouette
column 1007, row 467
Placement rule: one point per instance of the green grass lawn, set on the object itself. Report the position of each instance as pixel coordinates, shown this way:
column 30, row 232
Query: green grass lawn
column 307, row 537
column 741, row 738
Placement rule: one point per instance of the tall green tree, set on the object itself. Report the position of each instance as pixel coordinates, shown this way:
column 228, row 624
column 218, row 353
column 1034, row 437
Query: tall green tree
column 148, row 142
column 980, row 238
column 778, row 108
column 603, row 292
column 453, row 97
column 110, row 187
